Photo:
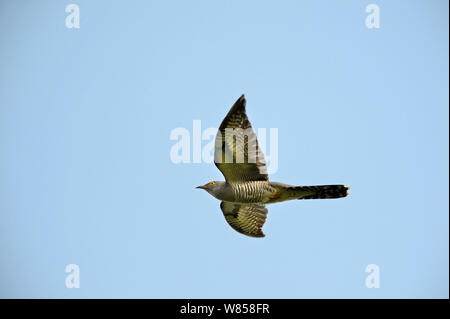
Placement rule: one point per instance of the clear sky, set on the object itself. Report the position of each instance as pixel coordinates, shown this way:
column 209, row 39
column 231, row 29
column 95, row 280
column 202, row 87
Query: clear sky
column 86, row 176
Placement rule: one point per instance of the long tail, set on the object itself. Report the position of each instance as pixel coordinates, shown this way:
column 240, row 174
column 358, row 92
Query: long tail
column 318, row 192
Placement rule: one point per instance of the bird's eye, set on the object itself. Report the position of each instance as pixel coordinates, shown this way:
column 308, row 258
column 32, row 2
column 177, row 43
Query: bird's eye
column 212, row 183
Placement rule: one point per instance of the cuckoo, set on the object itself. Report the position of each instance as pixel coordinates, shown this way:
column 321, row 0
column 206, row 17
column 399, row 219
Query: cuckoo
column 247, row 190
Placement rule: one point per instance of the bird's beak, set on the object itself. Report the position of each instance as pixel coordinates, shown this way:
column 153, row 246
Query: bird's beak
column 202, row 187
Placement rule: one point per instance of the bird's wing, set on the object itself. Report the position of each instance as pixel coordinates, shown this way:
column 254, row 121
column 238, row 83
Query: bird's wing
column 247, row 219
column 237, row 154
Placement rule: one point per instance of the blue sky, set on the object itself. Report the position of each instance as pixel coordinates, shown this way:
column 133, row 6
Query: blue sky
column 85, row 170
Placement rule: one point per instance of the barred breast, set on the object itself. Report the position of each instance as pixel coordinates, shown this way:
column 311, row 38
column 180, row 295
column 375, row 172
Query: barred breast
column 251, row 192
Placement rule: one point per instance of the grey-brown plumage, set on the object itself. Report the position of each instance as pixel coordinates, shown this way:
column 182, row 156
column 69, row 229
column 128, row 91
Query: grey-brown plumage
column 247, row 189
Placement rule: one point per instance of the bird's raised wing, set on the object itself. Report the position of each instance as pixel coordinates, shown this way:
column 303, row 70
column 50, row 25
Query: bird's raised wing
column 247, row 219
column 237, row 154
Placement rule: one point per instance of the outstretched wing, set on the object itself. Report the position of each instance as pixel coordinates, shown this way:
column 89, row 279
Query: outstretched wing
column 248, row 219
column 237, row 154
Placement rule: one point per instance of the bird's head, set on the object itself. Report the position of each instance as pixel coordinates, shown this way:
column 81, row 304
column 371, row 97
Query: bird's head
column 212, row 187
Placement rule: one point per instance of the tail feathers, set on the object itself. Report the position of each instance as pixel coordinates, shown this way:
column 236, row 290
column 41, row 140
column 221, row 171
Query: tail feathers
column 319, row 192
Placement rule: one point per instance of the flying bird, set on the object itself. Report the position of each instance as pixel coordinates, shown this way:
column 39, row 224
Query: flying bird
column 247, row 190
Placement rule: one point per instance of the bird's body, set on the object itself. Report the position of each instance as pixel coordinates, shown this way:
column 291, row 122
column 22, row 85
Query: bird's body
column 252, row 192
column 247, row 188
column 266, row 192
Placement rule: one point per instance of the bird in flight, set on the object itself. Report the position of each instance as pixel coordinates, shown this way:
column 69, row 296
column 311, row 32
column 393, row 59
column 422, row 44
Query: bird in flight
column 247, row 190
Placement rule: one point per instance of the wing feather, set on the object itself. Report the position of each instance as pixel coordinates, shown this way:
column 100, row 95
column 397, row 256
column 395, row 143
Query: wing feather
column 237, row 154
column 247, row 219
